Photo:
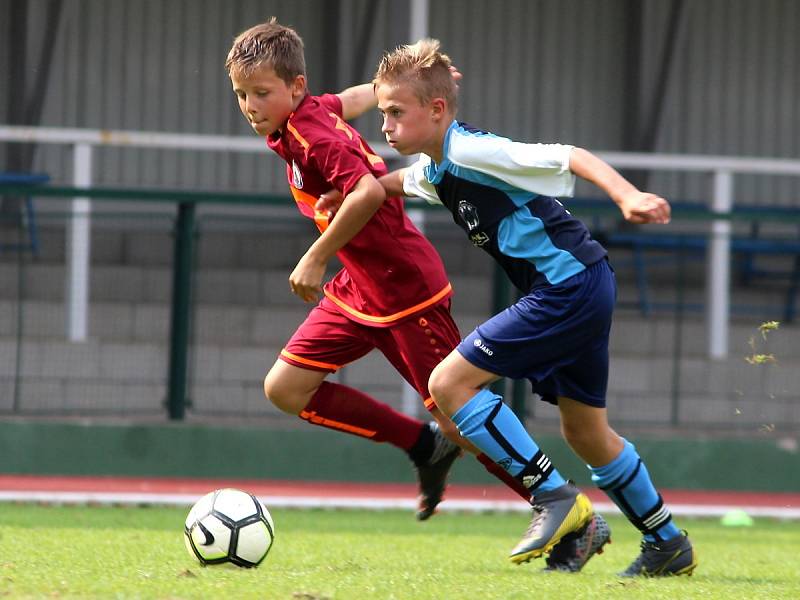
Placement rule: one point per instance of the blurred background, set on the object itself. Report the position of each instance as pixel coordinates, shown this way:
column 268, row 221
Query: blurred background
column 158, row 296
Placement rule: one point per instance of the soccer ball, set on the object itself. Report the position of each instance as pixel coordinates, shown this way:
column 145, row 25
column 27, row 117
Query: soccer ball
column 229, row 526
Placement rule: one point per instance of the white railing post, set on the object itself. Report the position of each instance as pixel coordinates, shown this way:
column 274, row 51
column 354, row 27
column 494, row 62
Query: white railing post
column 718, row 267
column 418, row 29
column 78, row 241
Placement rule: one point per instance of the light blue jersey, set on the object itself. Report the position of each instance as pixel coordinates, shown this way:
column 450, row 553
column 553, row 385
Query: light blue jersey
column 502, row 193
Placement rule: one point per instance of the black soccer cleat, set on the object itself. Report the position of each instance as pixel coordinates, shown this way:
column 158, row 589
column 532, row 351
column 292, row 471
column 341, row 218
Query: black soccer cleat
column 661, row 559
column 556, row 514
column 432, row 475
column 575, row 550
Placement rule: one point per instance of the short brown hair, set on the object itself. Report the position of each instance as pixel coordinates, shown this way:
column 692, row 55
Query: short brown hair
column 268, row 44
column 423, row 68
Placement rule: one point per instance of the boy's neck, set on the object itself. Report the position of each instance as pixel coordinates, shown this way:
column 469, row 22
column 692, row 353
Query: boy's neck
column 298, row 100
column 295, row 104
column 436, row 148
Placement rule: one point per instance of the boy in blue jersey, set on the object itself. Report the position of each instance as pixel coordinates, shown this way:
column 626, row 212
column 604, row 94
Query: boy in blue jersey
column 503, row 194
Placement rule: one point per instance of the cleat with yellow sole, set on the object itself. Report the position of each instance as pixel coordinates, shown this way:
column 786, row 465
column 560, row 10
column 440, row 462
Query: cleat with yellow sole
column 556, row 513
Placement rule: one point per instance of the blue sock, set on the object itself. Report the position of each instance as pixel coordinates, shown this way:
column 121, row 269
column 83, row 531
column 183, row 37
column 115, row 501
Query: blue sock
column 494, row 428
column 627, row 482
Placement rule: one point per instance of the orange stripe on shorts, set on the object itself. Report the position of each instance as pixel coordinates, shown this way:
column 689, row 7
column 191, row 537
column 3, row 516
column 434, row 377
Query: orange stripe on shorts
column 311, row 363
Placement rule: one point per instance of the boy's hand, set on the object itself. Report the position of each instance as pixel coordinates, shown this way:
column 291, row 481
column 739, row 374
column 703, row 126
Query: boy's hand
column 457, row 76
column 643, row 207
column 329, row 202
column 306, row 279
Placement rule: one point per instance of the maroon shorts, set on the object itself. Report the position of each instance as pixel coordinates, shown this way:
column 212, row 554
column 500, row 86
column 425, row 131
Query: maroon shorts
column 327, row 341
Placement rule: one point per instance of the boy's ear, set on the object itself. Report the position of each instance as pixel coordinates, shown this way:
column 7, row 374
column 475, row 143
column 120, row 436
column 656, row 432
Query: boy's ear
column 438, row 108
column 298, row 86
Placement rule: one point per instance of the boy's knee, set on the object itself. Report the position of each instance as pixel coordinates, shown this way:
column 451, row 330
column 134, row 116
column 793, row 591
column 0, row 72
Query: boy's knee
column 590, row 441
column 438, row 386
column 574, row 434
column 282, row 396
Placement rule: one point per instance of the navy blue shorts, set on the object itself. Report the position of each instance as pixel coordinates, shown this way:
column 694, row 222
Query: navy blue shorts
column 556, row 336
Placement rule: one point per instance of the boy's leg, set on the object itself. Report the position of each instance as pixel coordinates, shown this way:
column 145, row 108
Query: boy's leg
column 323, row 343
column 483, row 418
column 618, row 470
column 415, row 347
column 303, row 392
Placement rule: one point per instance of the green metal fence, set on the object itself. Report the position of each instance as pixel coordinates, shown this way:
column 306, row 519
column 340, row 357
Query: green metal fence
column 189, row 307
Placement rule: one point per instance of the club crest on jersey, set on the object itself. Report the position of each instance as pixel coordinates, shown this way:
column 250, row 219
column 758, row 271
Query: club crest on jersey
column 468, row 214
column 297, row 176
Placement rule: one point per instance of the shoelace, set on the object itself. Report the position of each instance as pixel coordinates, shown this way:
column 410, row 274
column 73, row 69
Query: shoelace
column 539, row 512
column 636, row 565
column 441, row 447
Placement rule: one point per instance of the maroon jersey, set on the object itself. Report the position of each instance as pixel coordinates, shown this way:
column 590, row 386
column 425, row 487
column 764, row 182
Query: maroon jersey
column 391, row 271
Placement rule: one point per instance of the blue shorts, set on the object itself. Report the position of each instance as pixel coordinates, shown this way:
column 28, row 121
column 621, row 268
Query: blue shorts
column 556, row 336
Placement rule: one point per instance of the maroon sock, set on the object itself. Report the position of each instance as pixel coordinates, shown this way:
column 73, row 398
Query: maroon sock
column 346, row 409
column 504, row 476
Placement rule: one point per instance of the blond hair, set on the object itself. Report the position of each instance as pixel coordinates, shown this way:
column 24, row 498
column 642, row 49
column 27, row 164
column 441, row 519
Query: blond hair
column 269, row 44
column 423, row 68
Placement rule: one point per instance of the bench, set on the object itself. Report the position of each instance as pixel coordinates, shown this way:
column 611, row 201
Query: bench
column 29, row 215
column 693, row 245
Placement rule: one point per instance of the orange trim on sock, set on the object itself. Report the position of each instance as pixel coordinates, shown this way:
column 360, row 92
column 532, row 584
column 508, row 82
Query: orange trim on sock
column 396, row 316
column 313, row 417
column 311, row 363
column 429, row 403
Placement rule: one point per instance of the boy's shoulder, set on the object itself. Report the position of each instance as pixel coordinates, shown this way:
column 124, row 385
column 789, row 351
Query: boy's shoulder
column 469, row 144
column 318, row 117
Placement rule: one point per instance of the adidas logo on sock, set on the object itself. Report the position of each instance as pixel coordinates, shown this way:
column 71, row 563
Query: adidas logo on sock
column 530, row 480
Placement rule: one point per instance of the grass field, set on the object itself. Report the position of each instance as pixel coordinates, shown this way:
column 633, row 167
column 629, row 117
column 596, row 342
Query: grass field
column 125, row 552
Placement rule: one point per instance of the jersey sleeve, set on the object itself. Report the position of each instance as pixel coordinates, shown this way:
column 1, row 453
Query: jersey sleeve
column 415, row 181
column 331, row 102
column 339, row 163
column 539, row 168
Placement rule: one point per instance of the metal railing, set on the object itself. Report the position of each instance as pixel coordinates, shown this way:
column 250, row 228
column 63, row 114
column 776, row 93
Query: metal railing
column 84, row 142
column 670, row 317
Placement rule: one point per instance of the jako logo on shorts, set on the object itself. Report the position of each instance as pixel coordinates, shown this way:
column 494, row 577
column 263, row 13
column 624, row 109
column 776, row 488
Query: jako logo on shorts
column 484, row 348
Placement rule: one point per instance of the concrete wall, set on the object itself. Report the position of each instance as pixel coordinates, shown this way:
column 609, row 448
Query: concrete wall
column 243, row 314
column 318, row 455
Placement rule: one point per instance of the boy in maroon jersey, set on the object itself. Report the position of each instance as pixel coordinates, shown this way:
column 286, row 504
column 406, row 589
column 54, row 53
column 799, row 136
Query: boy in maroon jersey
column 393, row 297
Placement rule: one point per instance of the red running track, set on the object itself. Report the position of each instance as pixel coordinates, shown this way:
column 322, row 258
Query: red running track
column 40, row 487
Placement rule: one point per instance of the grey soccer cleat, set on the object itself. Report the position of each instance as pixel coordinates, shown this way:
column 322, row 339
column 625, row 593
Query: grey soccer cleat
column 660, row 559
column 432, row 476
column 575, row 550
column 556, row 514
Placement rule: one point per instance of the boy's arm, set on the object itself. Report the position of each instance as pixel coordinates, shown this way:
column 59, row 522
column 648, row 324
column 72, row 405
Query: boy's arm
column 357, row 100
column 330, row 201
column 393, row 182
column 356, row 210
column 636, row 206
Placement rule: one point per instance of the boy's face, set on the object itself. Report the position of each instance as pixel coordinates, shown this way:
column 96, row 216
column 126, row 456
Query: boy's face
column 266, row 100
column 409, row 126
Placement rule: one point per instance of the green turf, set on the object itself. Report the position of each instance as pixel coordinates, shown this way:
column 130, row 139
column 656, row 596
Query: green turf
column 103, row 552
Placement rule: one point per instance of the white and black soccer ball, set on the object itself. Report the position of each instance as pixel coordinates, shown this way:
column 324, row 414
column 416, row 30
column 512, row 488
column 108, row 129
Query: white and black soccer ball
column 229, row 526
